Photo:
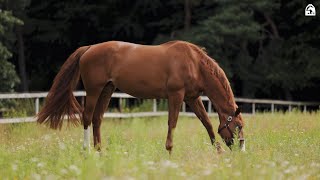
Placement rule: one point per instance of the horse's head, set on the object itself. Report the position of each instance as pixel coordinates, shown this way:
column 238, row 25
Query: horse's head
column 229, row 125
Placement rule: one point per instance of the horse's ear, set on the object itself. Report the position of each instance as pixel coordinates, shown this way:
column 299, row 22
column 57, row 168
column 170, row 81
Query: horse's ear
column 237, row 111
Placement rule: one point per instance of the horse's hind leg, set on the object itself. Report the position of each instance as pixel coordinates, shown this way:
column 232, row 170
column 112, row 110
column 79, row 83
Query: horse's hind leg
column 91, row 101
column 101, row 106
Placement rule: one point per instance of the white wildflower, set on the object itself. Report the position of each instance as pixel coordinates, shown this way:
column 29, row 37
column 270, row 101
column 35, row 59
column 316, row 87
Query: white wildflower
column 152, row 168
column 50, row 177
column 62, row 146
column 285, row 163
column 206, row 172
column 169, row 164
column 34, row 159
column 40, row 165
column 75, row 169
column 272, row 164
column 63, row 171
column 183, row 174
column 227, row 160
column 237, row 173
column 36, row 176
column 149, row 163
column 290, row 169
column 14, row 167
column 47, row 137
column 314, row 164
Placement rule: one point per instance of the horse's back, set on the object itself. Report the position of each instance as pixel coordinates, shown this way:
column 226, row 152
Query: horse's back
column 141, row 70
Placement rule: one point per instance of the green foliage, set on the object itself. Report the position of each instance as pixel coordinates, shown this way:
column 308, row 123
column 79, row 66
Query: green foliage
column 279, row 146
column 139, row 106
column 8, row 76
column 268, row 49
column 264, row 54
column 18, row 108
column 7, row 21
column 144, row 105
column 162, row 105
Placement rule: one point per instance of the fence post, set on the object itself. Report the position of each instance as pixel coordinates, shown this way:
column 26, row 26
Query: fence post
column 253, row 108
column 184, row 107
column 120, row 105
column 37, row 106
column 154, row 105
column 272, row 108
column 209, row 107
column 290, row 108
column 305, row 108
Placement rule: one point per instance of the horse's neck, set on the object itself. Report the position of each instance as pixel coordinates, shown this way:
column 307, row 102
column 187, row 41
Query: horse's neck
column 218, row 89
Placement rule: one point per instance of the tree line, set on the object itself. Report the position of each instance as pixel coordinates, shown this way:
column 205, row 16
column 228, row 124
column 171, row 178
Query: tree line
column 268, row 49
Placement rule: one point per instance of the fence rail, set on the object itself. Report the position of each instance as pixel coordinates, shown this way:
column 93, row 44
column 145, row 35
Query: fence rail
column 155, row 112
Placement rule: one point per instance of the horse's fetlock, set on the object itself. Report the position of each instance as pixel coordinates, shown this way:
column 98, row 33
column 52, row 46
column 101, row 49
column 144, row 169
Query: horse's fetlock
column 169, row 146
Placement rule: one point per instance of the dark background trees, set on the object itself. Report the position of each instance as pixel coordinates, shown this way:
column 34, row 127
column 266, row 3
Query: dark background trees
column 268, row 49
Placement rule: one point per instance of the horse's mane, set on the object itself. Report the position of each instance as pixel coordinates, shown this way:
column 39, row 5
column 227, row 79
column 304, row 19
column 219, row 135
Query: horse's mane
column 215, row 70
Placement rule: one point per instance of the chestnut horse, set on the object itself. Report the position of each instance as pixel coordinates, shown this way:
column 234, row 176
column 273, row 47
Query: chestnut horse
column 177, row 70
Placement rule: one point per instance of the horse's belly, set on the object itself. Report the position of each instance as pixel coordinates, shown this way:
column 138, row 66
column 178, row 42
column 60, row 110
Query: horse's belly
column 141, row 85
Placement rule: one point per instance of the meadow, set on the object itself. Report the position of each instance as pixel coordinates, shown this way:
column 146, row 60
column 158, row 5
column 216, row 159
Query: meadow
column 279, row 146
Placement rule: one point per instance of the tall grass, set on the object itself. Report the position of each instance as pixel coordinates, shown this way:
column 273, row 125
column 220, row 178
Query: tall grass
column 279, row 146
column 144, row 105
column 17, row 107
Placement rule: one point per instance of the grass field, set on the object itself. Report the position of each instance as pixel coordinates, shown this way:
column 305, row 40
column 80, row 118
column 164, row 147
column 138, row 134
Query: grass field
column 279, row 146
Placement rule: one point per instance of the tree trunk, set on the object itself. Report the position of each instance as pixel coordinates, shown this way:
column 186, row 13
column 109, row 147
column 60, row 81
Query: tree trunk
column 187, row 13
column 22, row 60
column 273, row 25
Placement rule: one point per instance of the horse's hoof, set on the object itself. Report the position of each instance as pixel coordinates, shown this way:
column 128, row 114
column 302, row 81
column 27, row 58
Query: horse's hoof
column 98, row 153
column 220, row 150
column 86, row 149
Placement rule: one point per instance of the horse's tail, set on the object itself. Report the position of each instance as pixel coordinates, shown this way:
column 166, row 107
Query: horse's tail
column 60, row 101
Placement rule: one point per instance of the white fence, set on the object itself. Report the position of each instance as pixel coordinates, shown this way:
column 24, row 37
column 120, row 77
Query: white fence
column 155, row 112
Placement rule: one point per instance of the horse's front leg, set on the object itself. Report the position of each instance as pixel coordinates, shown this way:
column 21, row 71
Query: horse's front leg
column 174, row 102
column 242, row 141
column 198, row 108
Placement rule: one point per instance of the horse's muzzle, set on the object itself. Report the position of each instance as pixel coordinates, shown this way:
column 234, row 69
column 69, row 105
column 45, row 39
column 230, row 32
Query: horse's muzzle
column 229, row 142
